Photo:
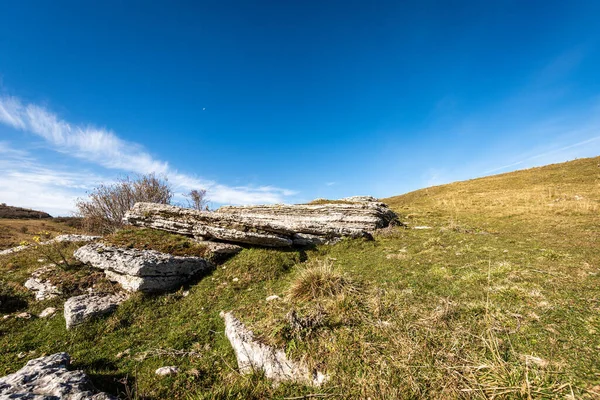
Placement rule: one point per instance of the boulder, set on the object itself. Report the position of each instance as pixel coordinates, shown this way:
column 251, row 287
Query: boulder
column 79, row 309
column 268, row 225
column 141, row 270
column 254, row 356
column 42, row 288
column 47, row 378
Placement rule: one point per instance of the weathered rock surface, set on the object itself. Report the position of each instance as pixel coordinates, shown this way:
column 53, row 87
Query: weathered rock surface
column 252, row 356
column 60, row 238
column 164, row 371
column 360, row 199
column 47, row 312
column 141, row 270
column 268, row 225
column 79, row 309
column 220, row 249
column 47, row 378
column 42, row 288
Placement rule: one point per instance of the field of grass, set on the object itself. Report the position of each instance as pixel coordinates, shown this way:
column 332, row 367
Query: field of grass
column 499, row 298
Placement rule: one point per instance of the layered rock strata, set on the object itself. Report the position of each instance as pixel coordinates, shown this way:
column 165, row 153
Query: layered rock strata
column 79, row 309
column 141, row 270
column 268, row 225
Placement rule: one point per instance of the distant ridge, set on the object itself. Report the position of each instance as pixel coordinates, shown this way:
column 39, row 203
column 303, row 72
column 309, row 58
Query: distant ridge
column 21, row 213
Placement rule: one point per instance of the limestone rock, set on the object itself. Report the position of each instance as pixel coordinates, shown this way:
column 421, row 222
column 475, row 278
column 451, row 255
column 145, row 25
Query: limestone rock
column 42, row 288
column 141, row 270
column 252, row 356
column 47, row 378
column 268, row 225
column 163, row 371
column 79, row 309
column 219, row 248
column 359, row 199
column 48, row 312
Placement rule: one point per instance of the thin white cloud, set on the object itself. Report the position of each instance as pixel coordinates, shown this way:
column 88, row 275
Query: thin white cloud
column 104, row 148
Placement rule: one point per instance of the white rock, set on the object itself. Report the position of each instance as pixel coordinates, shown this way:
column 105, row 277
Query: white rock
column 24, row 315
column 42, row 288
column 421, row 227
column 47, row 378
column 79, row 309
column 163, row 371
column 273, row 297
column 48, row 312
column 268, row 225
column 142, row 270
column 252, row 356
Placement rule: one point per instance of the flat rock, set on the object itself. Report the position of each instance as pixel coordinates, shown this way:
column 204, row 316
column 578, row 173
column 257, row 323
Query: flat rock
column 163, row 371
column 268, row 225
column 219, row 248
column 42, row 288
column 47, row 312
column 79, row 309
column 254, row 356
column 47, row 378
column 141, row 270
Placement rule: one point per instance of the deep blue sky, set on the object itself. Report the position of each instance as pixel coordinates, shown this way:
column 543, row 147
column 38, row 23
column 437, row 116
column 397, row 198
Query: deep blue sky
column 320, row 98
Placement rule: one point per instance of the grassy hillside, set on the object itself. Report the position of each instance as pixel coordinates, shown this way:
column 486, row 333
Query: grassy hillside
column 14, row 231
column 499, row 298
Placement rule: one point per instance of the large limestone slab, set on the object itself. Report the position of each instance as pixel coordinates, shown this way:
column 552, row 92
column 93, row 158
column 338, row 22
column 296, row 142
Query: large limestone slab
column 79, row 309
column 47, row 378
column 254, row 356
column 141, row 270
column 268, row 225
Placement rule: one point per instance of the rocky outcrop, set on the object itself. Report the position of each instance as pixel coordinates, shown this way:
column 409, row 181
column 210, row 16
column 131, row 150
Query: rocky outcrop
column 268, row 225
column 254, row 356
column 141, row 270
column 42, row 288
column 47, row 378
column 79, row 309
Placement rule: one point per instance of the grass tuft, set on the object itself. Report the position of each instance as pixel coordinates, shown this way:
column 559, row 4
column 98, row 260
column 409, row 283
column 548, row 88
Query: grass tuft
column 319, row 279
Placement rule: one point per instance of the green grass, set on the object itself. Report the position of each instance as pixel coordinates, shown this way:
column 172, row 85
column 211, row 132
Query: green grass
column 500, row 299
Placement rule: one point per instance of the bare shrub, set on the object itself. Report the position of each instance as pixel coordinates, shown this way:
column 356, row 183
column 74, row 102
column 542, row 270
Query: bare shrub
column 197, row 199
column 106, row 205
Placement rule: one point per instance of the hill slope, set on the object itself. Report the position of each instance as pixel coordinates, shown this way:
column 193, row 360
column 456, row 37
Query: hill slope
column 497, row 298
column 21, row 213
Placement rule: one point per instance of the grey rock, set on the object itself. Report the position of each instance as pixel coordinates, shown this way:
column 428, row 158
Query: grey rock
column 360, row 199
column 163, row 371
column 43, row 289
column 79, row 309
column 268, row 225
column 141, row 270
column 47, row 378
column 48, row 312
column 219, row 248
column 252, row 356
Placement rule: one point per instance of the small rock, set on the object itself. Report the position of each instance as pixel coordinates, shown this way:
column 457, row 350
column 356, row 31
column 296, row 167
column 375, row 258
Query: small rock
column 235, row 279
column 123, row 353
column 185, row 293
column 7, row 316
column 273, row 297
column 422, row 227
column 163, row 371
column 21, row 355
column 40, row 260
column 48, row 312
column 24, row 315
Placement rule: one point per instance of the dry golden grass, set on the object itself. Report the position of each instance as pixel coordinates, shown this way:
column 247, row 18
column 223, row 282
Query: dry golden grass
column 14, row 231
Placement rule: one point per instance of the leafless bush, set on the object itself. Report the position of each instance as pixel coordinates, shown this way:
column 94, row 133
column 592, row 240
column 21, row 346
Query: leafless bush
column 197, row 199
column 106, row 205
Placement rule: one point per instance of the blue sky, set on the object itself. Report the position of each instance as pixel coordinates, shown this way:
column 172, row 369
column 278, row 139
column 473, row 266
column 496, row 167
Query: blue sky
column 286, row 101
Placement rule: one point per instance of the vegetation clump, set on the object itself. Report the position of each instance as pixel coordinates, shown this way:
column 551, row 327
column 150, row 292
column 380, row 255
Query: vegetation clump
column 319, row 279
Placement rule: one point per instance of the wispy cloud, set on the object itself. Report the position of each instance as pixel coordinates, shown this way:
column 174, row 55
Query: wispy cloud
column 104, row 148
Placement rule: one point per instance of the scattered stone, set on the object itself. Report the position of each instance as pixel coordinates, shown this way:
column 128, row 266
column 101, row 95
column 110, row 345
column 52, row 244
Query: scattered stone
column 24, row 315
column 79, row 309
column 47, row 378
column 142, row 270
column 268, row 225
column 273, row 297
column 5, row 317
column 235, row 279
column 252, row 356
column 360, row 199
column 48, row 312
column 185, row 293
column 422, row 227
column 42, row 288
column 164, row 371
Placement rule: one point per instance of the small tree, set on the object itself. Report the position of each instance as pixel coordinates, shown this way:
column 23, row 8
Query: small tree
column 197, row 199
column 106, row 205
